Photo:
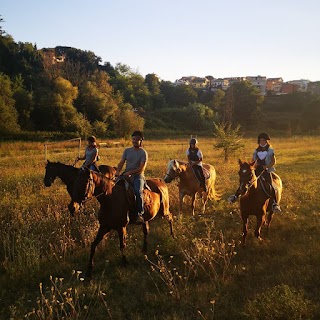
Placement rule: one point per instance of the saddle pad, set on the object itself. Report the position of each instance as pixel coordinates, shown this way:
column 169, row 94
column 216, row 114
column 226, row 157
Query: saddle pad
column 206, row 173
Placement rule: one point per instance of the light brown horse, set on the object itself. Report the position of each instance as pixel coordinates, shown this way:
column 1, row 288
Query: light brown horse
column 116, row 203
column 68, row 174
column 255, row 197
column 189, row 185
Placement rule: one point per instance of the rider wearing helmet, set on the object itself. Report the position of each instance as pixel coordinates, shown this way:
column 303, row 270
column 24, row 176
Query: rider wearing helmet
column 136, row 161
column 265, row 160
column 195, row 157
column 91, row 154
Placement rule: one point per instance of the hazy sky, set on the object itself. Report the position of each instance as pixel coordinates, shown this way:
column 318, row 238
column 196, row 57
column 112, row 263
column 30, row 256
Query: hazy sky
column 175, row 38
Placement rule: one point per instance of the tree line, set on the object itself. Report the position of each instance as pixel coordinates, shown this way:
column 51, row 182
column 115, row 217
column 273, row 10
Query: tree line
column 68, row 90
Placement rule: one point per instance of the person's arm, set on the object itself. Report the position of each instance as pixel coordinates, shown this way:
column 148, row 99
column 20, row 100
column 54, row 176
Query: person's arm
column 120, row 166
column 273, row 162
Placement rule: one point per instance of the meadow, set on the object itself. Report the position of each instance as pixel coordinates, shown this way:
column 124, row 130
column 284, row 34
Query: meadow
column 202, row 274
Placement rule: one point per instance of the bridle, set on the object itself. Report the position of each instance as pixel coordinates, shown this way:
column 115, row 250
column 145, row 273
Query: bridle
column 250, row 183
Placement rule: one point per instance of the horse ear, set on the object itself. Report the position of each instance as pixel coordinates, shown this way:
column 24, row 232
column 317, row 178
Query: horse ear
column 253, row 163
column 48, row 161
column 240, row 162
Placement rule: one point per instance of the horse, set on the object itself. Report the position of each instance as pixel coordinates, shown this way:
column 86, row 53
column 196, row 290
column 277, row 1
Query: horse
column 255, row 197
column 68, row 174
column 116, row 204
column 189, row 184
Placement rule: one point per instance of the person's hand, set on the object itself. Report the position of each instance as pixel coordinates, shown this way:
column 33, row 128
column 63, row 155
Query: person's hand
column 127, row 174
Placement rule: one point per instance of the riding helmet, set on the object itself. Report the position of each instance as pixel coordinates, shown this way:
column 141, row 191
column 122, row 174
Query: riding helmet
column 263, row 135
column 138, row 134
column 92, row 139
column 193, row 141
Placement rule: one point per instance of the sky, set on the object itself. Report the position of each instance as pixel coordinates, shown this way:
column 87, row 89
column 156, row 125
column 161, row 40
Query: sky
column 176, row 38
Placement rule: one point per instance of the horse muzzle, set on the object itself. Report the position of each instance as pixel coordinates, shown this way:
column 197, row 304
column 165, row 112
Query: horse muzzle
column 167, row 178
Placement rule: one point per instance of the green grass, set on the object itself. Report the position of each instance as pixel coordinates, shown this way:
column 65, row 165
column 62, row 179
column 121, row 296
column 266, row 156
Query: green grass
column 203, row 274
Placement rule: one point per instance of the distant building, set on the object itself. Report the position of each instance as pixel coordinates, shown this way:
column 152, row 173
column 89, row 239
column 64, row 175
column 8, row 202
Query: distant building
column 200, row 82
column 274, row 85
column 289, row 88
column 302, row 83
column 219, row 83
column 233, row 80
column 259, row 82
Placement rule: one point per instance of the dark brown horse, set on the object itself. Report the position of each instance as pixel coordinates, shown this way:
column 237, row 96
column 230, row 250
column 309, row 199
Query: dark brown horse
column 189, row 185
column 255, row 197
column 116, row 203
column 68, row 175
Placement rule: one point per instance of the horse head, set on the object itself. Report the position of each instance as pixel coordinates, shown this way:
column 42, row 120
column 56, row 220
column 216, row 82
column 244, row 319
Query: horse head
column 51, row 173
column 173, row 171
column 246, row 175
column 84, row 186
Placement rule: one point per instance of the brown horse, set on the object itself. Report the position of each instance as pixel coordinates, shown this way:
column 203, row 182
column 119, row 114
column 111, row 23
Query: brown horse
column 68, row 175
column 189, row 185
column 116, row 203
column 255, row 197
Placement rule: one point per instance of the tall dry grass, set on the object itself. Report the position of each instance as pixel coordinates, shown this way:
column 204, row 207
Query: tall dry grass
column 203, row 274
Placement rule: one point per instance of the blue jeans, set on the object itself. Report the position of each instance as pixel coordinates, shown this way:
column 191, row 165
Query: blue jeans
column 138, row 186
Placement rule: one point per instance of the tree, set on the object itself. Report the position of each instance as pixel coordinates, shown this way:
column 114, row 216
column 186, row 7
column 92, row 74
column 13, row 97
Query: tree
column 242, row 104
column 128, row 121
column 54, row 110
column 23, row 103
column 96, row 100
column 153, row 83
column 228, row 139
column 310, row 115
column 8, row 113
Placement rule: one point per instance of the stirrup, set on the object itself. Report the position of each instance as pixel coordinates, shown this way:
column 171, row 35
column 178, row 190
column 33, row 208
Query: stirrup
column 232, row 199
column 276, row 208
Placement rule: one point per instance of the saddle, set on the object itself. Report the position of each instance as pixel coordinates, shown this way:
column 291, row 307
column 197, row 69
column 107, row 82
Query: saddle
column 206, row 173
column 269, row 188
column 131, row 197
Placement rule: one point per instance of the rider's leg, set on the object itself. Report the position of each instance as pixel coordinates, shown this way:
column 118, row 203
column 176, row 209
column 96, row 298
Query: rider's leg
column 273, row 197
column 138, row 184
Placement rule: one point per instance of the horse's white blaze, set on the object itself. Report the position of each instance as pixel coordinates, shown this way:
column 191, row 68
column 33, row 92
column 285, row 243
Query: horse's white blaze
column 244, row 171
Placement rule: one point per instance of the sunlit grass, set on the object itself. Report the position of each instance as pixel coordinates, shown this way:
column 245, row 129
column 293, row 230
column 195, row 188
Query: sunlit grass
column 202, row 274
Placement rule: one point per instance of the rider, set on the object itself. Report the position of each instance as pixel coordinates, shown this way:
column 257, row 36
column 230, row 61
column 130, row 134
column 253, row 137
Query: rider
column 91, row 155
column 136, row 160
column 195, row 157
column 265, row 160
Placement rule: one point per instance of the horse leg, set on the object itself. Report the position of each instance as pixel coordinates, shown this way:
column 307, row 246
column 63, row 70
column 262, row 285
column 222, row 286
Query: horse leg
column 101, row 232
column 193, row 202
column 181, row 196
column 145, row 228
column 73, row 208
column 268, row 222
column 170, row 220
column 204, row 201
column 257, row 231
column 122, row 238
column 244, row 228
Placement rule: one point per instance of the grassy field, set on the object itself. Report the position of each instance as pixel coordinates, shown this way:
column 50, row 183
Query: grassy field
column 203, row 274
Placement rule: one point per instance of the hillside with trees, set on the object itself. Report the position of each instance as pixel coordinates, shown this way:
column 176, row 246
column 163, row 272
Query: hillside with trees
column 69, row 91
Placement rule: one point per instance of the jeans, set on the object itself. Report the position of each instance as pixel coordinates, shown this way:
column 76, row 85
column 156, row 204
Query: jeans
column 138, row 186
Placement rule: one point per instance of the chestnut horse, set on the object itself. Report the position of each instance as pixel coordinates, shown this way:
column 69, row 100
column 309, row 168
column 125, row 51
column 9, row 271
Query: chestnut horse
column 68, row 175
column 255, row 197
column 117, row 202
column 189, row 185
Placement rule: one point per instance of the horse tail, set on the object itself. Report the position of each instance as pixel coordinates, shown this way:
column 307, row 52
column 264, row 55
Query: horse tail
column 212, row 192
